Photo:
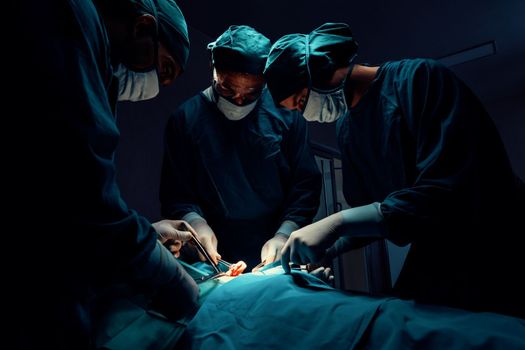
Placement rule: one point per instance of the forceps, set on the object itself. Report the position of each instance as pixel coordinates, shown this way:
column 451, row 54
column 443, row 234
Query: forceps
column 203, row 251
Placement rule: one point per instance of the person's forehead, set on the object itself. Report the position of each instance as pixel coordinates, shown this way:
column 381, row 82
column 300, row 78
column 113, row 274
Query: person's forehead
column 240, row 80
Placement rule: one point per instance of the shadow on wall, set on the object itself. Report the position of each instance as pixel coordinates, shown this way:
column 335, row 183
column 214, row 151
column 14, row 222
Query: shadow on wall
column 140, row 152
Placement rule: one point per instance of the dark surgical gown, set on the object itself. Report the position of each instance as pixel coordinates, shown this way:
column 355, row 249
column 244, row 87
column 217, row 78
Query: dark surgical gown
column 67, row 229
column 244, row 177
column 421, row 143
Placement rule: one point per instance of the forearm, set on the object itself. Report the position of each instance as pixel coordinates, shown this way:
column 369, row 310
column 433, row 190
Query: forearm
column 193, row 217
column 175, row 291
column 287, row 227
column 366, row 221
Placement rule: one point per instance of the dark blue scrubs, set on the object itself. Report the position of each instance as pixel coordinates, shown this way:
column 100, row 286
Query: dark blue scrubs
column 244, row 177
column 422, row 144
column 72, row 234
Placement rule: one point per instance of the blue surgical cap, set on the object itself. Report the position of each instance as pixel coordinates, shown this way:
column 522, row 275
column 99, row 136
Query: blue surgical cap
column 329, row 47
column 240, row 49
column 148, row 6
column 172, row 29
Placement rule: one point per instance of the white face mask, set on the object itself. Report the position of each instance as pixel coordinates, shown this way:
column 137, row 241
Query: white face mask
column 325, row 107
column 231, row 110
column 135, row 86
column 322, row 105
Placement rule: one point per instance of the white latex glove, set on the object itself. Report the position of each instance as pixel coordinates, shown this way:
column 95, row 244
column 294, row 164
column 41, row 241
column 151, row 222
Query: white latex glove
column 310, row 243
column 271, row 250
column 207, row 238
column 173, row 234
column 341, row 245
column 324, row 274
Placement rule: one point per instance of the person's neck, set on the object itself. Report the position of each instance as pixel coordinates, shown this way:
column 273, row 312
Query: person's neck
column 360, row 79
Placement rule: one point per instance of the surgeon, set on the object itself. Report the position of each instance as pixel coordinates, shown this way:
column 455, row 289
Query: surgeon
column 237, row 167
column 423, row 163
column 75, row 238
column 173, row 51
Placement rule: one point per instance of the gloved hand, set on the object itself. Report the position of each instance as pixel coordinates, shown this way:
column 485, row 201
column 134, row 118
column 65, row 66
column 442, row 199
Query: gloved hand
column 324, row 274
column 345, row 244
column 172, row 234
column 309, row 244
column 271, row 250
column 341, row 245
column 207, row 238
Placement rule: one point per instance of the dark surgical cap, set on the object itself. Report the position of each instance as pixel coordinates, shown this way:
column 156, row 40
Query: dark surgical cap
column 148, row 6
column 173, row 32
column 240, row 49
column 329, row 47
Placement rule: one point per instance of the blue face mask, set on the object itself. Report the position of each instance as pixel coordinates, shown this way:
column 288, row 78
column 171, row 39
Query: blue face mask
column 325, row 106
column 135, row 86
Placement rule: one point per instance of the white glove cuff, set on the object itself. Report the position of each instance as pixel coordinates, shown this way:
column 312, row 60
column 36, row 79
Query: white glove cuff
column 191, row 216
column 364, row 221
column 287, row 227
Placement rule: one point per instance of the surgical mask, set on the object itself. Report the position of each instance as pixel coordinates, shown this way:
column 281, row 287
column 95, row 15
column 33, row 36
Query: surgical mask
column 324, row 106
column 230, row 110
column 135, row 86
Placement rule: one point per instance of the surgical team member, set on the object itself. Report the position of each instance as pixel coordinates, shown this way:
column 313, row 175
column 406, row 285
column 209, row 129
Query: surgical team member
column 75, row 236
column 423, row 163
column 236, row 167
column 173, row 51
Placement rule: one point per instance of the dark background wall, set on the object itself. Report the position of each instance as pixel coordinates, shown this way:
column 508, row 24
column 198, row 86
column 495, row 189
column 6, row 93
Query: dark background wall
column 139, row 156
column 385, row 30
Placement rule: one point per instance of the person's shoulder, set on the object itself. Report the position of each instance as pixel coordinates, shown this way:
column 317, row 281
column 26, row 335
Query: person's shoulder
column 412, row 66
column 190, row 109
column 416, row 71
